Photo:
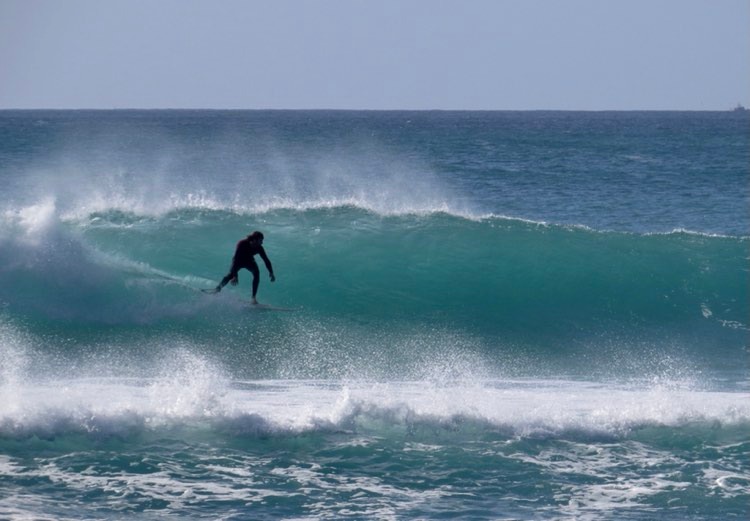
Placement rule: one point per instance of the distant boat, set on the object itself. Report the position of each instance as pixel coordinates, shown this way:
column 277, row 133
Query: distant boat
column 739, row 108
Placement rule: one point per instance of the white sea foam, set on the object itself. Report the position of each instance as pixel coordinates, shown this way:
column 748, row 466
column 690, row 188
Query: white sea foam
column 193, row 393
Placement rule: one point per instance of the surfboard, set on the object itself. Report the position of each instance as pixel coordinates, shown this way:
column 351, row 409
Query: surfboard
column 259, row 307
column 268, row 307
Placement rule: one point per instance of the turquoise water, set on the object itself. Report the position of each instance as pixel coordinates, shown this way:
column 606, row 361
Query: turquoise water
column 494, row 315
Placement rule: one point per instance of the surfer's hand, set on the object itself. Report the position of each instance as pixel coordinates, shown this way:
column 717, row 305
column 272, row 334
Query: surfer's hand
column 273, row 278
column 234, row 281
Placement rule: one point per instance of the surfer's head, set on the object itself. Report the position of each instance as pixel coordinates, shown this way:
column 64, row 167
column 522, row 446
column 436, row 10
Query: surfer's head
column 256, row 236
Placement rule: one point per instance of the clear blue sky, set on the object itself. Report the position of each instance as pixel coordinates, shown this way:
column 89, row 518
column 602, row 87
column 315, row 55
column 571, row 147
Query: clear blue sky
column 377, row 54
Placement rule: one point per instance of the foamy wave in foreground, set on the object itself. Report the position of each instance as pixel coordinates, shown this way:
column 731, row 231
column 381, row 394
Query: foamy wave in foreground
column 203, row 400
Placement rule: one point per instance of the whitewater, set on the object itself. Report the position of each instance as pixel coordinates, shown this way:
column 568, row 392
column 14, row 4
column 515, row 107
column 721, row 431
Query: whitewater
column 494, row 315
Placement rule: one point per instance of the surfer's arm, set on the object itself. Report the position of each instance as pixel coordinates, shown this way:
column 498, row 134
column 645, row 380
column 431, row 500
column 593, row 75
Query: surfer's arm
column 234, row 280
column 267, row 262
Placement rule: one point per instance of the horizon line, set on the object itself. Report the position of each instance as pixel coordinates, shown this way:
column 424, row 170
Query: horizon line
column 236, row 109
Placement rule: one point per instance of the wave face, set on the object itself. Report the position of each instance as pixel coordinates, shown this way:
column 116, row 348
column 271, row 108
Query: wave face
column 361, row 282
column 510, row 315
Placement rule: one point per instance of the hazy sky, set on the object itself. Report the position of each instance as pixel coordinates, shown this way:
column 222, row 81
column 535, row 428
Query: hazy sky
column 376, row 54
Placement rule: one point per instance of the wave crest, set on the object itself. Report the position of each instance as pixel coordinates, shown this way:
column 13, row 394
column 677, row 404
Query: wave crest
column 520, row 408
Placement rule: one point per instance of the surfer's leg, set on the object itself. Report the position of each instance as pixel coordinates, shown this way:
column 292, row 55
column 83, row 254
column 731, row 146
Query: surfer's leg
column 253, row 268
column 231, row 275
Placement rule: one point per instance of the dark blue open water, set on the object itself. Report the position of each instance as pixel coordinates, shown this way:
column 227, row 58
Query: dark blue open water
column 500, row 315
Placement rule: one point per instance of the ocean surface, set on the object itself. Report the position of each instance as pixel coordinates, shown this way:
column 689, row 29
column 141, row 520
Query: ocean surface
column 488, row 315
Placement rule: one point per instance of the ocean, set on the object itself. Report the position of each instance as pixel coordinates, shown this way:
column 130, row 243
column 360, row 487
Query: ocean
column 484, row 315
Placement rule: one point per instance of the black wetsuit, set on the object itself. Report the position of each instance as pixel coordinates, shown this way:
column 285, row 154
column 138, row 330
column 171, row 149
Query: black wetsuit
column 243, row 258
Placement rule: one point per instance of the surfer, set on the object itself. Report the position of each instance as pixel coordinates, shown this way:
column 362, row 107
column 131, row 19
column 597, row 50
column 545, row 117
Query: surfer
column 246, row 249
